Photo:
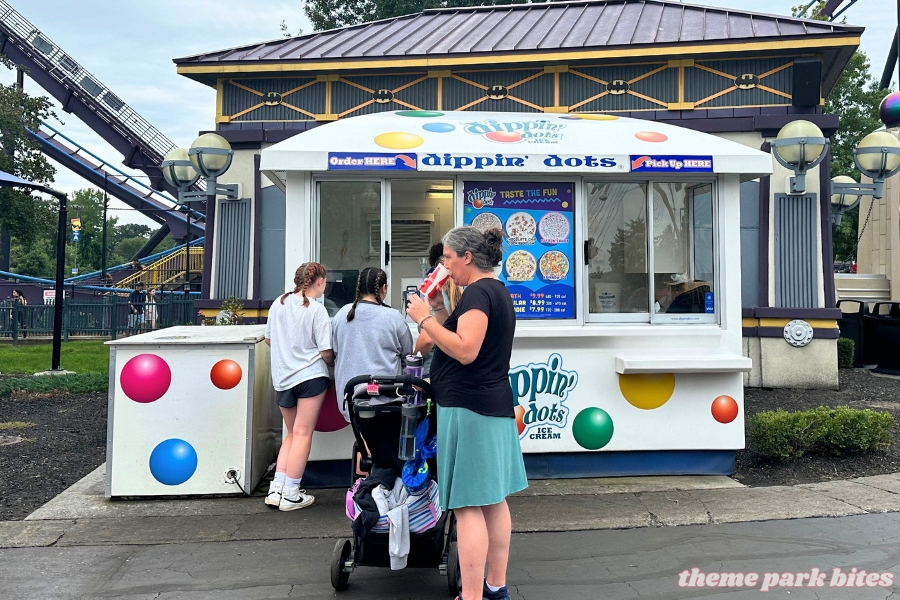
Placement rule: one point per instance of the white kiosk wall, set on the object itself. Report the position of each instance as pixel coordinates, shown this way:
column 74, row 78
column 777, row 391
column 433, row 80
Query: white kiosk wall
column 610, row 382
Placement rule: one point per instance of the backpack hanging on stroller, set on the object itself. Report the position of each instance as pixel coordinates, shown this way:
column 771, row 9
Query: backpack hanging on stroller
column 377, row 427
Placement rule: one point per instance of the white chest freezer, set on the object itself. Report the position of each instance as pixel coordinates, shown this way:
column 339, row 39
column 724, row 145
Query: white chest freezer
column 191, row 412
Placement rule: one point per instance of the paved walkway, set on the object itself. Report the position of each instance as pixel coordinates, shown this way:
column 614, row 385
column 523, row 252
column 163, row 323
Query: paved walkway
column 576, row 539
column 82, row 516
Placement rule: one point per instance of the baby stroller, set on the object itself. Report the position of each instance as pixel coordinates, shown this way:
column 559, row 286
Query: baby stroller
column 378, row 427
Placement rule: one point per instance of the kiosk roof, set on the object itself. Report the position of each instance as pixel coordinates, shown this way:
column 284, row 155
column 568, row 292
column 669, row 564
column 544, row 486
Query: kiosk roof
column 432, row 141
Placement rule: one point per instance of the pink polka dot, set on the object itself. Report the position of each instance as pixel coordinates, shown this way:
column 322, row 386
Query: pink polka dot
column 145, row 378
column 651, row 136
column 330, row 417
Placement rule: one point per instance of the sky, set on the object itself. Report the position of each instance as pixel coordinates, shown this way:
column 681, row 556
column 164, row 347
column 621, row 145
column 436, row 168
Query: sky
column 129, row 46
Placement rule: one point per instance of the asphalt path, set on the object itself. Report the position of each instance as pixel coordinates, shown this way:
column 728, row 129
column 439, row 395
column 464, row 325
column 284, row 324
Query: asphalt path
column 645, row 563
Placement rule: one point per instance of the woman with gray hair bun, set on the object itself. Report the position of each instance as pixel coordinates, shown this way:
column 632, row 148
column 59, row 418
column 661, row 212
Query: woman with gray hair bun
column 480, row 460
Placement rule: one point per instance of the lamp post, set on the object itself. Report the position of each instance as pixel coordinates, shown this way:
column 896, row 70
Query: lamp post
column 209, row 157
column 800, row 146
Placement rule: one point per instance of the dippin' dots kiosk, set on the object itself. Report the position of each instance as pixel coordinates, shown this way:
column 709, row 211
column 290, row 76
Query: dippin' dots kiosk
column 622, row 257
column 191, row 412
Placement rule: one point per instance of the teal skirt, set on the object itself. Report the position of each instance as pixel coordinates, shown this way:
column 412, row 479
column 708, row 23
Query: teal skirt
column 479, row 458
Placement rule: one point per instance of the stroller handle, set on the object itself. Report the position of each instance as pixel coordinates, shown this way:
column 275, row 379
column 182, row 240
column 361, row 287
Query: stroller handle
column 388, row 379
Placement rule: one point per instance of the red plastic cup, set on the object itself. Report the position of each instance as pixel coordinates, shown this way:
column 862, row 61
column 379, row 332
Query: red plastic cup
column 435, row 281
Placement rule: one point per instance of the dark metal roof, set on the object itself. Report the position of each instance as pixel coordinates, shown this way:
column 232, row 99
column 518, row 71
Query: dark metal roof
column 586, row 24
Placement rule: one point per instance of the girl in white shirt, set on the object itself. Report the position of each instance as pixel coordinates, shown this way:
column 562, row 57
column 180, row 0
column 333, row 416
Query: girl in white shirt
column 299, row 333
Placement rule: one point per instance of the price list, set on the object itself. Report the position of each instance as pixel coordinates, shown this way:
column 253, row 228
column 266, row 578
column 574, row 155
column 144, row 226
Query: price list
column 538, row 250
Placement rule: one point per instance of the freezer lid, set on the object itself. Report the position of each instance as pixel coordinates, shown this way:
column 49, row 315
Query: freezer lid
column 191, row 335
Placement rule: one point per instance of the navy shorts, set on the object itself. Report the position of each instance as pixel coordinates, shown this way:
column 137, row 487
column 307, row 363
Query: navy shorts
column 305, row 389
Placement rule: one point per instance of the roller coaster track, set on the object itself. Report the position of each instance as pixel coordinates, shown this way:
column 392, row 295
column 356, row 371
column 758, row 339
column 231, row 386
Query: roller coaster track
column 80, row 93
column 154, row 204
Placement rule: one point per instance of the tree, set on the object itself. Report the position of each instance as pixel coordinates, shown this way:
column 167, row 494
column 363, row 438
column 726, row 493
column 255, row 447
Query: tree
column 23, row 215
column 329, row 14
column 855, row 100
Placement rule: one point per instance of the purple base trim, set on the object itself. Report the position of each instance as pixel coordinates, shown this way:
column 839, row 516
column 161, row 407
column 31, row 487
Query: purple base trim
column 777, row 332
column 795, row 313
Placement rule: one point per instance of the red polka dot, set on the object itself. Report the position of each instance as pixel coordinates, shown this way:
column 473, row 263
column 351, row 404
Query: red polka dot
column 225, row 374
column 724, row 409
column 506, row 137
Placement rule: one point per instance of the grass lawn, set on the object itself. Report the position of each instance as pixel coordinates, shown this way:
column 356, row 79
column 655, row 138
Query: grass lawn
column 81, row 357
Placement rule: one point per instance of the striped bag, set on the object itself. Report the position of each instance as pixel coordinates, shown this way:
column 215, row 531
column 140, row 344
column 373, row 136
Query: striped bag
column 424, row 509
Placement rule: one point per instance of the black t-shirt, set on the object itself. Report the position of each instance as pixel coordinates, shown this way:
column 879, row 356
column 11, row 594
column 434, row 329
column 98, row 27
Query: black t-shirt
column 483, row 385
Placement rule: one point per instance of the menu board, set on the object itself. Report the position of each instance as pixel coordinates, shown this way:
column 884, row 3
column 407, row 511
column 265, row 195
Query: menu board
column 538, row 253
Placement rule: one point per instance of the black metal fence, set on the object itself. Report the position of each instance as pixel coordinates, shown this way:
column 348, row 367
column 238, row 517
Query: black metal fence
column 99, row 317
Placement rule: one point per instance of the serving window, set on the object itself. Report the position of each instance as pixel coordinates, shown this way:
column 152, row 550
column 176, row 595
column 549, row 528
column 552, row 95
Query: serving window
column 629, row 279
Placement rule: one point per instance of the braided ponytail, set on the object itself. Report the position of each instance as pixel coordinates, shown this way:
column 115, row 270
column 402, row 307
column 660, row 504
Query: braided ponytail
column 306, row 275
column 370, row 281
column 380, row 281
column 359, row 292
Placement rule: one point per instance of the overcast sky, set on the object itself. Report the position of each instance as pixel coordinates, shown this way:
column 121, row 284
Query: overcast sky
column 129, row 46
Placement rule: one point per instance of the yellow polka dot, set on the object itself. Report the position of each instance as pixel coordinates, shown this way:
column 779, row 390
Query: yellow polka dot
column 598, row 117
column 565, row 205
column 398, row 140
column 647, row 390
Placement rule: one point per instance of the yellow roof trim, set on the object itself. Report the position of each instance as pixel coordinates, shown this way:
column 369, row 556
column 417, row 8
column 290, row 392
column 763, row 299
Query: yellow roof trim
column 804, row 44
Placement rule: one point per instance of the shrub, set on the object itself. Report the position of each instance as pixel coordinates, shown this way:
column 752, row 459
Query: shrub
column 79, row 384
column 845, row 349
column 827, row 431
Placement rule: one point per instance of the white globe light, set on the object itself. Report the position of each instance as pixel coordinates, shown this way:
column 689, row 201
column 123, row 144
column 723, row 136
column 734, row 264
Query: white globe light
column 178, row 176
column 791, row 152
column 871, row 162
column 211, row 165
column 843, row 200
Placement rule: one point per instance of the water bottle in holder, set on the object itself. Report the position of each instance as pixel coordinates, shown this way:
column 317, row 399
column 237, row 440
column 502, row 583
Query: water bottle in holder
column 409, row 416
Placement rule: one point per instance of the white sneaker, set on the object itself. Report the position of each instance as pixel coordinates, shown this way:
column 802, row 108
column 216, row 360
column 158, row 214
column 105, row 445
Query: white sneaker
column 292, row 499
column 273, row 498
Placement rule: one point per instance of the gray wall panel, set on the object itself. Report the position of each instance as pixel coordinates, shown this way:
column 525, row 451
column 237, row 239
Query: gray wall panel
column 796, row 274
column 749, row 244
column 271, row 259
column 232, row 248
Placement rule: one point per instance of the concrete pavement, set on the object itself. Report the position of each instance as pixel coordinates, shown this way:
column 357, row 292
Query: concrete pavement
column 81, row 545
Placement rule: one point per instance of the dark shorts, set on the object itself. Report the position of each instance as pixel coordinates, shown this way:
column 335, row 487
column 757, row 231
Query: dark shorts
column 305, row 389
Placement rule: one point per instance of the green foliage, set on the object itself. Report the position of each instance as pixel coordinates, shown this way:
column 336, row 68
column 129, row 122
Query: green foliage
column 34, row 259
column 327, row 14
column 845, row 349
column 23, row 214
column 81, row 357
column 855, row 99
column 77, row 384
column 826, row 431
column 230, row 313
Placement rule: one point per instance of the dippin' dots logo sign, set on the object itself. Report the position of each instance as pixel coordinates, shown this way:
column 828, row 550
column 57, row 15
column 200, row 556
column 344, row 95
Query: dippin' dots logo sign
column 512, row 132
column 541, row 389
column 479, row 198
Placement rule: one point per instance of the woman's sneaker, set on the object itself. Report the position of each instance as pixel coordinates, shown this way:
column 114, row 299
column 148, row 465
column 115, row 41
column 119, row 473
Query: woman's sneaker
column 273, row 498
column 292, row 499
column 501, row 594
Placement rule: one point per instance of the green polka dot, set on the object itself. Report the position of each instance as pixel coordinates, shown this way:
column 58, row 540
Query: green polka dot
column 592, row 428
column 422, row 114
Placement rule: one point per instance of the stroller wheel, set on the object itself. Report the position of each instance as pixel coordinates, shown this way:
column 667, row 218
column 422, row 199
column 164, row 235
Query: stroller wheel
column 454, row 578
column 341, row 554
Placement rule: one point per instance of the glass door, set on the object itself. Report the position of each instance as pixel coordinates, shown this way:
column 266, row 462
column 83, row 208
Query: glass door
column 349, row 236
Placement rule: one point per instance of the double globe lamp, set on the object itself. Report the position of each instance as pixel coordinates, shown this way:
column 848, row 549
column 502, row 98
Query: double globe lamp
column 209, row 157
column 800, row 146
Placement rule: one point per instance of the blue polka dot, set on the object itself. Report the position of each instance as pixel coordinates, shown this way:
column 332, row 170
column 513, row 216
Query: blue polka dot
column 438, row 127
column 173, row 462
